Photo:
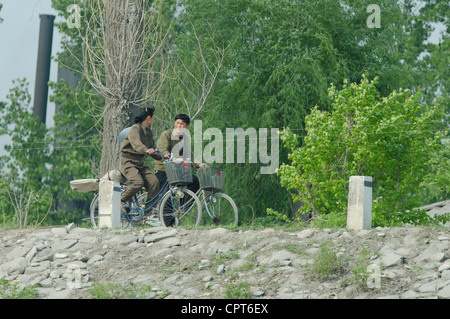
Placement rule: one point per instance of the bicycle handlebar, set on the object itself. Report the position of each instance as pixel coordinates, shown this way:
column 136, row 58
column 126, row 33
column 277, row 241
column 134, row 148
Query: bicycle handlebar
column 156, row 154
column 171, row 159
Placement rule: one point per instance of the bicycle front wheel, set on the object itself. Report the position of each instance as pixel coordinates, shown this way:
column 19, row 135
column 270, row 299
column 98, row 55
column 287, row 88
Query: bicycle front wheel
column 221, row 209
column 180, row 207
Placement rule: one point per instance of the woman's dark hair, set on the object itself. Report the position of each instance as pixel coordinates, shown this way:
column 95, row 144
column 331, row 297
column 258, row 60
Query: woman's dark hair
column 148, row 111
column 183, row 117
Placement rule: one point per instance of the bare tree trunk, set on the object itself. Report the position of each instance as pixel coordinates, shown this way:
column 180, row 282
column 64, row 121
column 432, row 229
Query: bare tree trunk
column 114, row 120
column 124, row 50
column 125, row 60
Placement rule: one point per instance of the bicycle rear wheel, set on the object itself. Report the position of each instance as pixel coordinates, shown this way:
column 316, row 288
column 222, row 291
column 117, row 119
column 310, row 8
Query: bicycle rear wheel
column 221, row 210
column 180, row 207
column 129, row 220
column 94, row 211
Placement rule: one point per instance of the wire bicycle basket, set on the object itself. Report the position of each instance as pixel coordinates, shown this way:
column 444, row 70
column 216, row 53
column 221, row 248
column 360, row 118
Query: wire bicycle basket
column 178, row 173
column 211, row 178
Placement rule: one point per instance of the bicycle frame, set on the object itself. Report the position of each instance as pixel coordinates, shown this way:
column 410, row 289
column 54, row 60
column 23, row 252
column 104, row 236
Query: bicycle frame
column 142, row 208
column 155, row 200
column 151, row 203
column 203, row 195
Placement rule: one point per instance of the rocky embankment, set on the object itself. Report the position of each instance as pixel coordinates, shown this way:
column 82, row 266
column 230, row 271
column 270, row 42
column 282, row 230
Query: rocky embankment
column 67, row 262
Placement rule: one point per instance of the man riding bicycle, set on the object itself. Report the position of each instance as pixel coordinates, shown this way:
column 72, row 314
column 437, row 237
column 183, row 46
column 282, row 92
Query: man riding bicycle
column 174, row 141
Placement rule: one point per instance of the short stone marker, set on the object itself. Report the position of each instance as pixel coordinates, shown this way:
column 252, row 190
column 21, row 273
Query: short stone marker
column 109, row 204
column 359, row 209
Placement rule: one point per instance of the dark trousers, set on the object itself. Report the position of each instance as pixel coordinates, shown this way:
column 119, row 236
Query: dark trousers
column 138, row 176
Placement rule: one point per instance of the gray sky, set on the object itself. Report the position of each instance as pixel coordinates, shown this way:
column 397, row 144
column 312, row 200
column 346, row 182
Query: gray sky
column 19, row 35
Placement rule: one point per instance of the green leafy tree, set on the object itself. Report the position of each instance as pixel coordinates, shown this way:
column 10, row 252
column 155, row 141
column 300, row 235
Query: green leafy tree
column 281, row 59
column 429, row 60
column 30, row 140
column 78, row 120
column 389, row 138
column 24, row 181
column 76, row 151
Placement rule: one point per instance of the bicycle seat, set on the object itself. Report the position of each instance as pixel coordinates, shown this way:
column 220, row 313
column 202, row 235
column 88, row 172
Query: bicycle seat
column 116, row 176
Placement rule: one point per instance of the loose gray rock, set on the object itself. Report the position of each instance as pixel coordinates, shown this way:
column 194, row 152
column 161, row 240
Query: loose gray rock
column 159, row 236
column 220, row 269
column 59, row 231
column 391, row 259
column 64, row 262
column 444, row 293
column 15, row 266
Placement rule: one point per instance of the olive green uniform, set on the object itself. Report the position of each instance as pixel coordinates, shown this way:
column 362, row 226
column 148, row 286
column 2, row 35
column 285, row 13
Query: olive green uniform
column 133, row 150
column 165, row 144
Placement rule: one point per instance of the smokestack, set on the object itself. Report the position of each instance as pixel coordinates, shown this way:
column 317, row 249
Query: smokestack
column 43, row 66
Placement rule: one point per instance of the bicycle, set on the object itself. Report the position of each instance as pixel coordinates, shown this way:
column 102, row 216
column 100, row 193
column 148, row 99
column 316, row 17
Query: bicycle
column 179, row 201
column 170, row 203
column 220, row 207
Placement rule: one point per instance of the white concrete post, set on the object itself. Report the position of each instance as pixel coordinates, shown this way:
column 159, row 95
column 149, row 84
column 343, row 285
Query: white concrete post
column 109, row 204
column 359, row 209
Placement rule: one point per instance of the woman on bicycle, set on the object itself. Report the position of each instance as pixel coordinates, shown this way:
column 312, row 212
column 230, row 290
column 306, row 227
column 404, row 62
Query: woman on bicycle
column 137, row 144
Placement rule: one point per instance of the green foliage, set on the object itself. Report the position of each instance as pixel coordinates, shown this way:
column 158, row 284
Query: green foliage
column 326, row 263
column 21, row 205
column 436, row 185
column 36, row 175
column 6, row 208
column 118, row 291
column 76, row 154
column 12, row 290
column 238, row 291
column 420, row 217
column 25, row 198
column 428, row 60
column 282, row 57
column 390, row 139
column 41, row 162
column 30, row 147
column 331, row 220
column 278, row 216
